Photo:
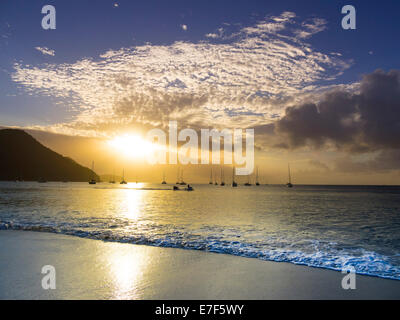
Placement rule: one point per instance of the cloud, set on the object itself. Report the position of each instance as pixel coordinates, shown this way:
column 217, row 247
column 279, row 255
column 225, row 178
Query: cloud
column 254, row 72
column 311, row 27
column 381, row 161
column 216, row 35
column 363, row 121
column 271, row 26
column 184, row 27
column 46, row 51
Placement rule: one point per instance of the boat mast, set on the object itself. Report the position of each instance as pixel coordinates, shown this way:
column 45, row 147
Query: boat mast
column 91, row 174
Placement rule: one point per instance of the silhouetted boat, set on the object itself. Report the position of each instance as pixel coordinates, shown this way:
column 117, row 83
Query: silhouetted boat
column 113, row 179
column 234, row 183
column 92, row 180
column 248, row 184
column 222, row 177
column 181, row 182
column 189, row 188
column 257, row 182
column 175, row 188
column 123, row 178
column 289, row 184
column 177, row 177
column 164, row 182
column 211, row 177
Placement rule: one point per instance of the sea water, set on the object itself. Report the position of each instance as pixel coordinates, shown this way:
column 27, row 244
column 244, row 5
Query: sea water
column 332, row 227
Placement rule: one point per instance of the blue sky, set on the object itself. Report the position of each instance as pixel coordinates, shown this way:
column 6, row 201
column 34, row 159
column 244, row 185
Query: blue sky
column 85, row 29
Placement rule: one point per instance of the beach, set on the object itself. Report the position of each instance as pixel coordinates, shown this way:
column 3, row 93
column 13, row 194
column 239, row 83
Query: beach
column 95, row 269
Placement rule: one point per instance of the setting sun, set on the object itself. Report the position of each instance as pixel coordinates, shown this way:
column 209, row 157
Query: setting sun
column 132, row 146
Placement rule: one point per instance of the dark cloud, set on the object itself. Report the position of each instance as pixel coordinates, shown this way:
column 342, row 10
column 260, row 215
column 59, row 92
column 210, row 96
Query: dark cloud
column 366, row 121
column 383, row 161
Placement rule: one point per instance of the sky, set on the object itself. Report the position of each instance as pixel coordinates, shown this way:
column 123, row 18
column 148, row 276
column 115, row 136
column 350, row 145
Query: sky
column 323, row 98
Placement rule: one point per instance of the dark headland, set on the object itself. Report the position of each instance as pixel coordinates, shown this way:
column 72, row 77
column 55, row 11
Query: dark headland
column 24, row 158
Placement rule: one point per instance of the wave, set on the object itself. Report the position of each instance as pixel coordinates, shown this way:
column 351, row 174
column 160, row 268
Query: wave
column 332, row 256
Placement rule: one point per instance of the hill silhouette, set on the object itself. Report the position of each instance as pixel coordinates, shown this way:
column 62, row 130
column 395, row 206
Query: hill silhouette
column 24, row 158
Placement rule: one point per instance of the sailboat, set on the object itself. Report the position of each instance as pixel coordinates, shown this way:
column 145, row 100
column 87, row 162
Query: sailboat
column 222, row 177
column 177, row 177
column 113, row 179
column 257, row 182
column 163, row 181
column 92, row 180
column 234, row 183
column 182, row 183
column 289, row 184
column 248, row 184
column 123, row 178
column 211, row 177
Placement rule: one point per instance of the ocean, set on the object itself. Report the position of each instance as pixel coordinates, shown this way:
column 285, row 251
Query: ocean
column 333, row 227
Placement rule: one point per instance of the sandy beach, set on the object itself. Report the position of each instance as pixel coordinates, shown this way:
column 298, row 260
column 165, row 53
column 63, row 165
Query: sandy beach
column 94, row 269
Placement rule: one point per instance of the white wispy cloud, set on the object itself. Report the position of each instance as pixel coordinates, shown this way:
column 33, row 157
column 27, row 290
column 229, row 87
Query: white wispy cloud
column 46, row 51
column 216, row 35
column 311, row 27
column 245, row 80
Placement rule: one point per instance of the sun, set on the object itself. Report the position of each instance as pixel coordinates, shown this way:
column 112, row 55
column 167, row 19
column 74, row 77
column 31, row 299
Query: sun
column 132, row 146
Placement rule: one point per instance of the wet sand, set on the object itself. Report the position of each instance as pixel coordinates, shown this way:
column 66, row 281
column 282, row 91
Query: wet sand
column 94, row 269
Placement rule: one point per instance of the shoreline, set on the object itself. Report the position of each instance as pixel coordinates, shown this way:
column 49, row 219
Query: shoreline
column 93, row 269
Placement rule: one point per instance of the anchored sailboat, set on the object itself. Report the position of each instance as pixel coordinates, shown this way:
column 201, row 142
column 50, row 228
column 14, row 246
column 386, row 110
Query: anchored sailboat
column 289, row 184
column 257, row 182
column 234, row 183
column 211, row 177
column 113, row 179
column 123, row 178
column 163, row 181
column 182, row 183
column 92, row 180
column 177, row 177
column 248, row 184
column 222, row 177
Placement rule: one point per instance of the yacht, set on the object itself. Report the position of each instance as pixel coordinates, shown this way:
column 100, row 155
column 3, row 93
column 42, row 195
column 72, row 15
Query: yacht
column 123, row 178
column 289, row 184
column 234, row 183
column 92, row 180
column 163, row 181
column 257, row 182
column 222, row 177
